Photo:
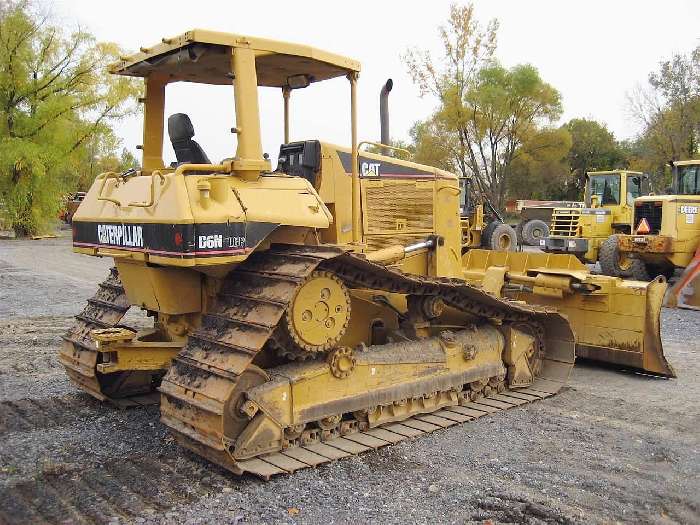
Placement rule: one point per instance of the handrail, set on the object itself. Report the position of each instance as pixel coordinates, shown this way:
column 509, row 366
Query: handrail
column 182, row 168
column 152, row 199
column 380, row 145
column 105, row 176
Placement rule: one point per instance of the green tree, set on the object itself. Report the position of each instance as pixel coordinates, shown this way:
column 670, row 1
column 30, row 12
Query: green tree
column 668, row 109
column 486, row 112
column 55, row 101
column 541, row 172
column 593, row 147
column 434, row 145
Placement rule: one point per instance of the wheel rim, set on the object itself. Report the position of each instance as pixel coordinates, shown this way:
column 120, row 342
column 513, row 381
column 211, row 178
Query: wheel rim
column 504, row 242
column 624, row 263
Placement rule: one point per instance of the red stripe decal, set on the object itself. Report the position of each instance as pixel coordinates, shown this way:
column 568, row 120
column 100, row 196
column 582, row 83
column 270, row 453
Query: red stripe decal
column 237, row 251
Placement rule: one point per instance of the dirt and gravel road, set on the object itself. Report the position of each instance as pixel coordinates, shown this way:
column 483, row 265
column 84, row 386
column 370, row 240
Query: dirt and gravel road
column 613, row 447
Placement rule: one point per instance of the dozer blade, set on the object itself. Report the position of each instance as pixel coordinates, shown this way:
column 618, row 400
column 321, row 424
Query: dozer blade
column 615, row 321
column 685, row 293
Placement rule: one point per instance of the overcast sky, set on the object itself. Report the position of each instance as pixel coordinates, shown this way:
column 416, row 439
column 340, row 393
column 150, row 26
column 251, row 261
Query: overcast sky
column 594, row 52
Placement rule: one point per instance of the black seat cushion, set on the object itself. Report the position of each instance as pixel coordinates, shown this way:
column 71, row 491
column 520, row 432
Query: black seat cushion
column 181, row 131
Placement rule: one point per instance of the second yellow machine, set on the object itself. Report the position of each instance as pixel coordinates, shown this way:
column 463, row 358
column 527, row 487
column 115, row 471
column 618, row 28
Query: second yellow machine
column 304, row 313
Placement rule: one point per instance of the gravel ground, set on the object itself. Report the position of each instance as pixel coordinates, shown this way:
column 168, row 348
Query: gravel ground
column 613, row 447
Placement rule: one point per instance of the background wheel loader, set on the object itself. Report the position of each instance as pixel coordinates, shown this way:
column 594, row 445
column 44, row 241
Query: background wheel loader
column 301, row 314
column 482, row 224
column 667, row 234
column 590, row 233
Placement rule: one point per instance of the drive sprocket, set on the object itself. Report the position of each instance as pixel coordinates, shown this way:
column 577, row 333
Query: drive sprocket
column 317, row 317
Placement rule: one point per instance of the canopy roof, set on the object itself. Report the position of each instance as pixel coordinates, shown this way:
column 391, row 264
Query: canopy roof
column 205, row 56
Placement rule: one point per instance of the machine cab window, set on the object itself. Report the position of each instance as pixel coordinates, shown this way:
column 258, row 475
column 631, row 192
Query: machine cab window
column 689, row 180
column 606, row 188
column 636, row 187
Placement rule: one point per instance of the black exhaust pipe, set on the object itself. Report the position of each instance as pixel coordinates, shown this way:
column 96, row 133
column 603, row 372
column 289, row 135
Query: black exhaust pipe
column 384, row 113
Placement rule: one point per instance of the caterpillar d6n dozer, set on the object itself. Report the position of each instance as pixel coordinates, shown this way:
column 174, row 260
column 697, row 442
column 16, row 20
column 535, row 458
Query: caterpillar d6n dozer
column 301, row 314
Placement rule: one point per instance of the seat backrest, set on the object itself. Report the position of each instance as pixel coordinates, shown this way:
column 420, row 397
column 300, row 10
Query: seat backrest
column 181, row 131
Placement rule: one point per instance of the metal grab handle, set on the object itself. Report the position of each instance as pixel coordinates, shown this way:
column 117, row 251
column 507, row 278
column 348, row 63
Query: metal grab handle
column 152, row 199
column 113, row 175
column 105, row 176
column 380, row 145
column 182, row 168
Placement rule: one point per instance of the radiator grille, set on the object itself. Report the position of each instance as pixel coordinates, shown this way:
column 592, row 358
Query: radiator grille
column 398, row 206
column 651, row 211
column 565, row 223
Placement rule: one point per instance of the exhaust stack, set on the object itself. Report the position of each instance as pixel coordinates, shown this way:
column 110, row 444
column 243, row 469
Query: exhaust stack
column 384, row 113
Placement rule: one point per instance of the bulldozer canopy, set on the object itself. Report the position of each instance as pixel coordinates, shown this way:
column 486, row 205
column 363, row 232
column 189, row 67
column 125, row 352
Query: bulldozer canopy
column 205, row 57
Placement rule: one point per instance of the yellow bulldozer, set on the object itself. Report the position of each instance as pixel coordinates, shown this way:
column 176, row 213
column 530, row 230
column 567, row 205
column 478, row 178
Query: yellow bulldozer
column 322, row 308
column 591, row 233
column 666, row 235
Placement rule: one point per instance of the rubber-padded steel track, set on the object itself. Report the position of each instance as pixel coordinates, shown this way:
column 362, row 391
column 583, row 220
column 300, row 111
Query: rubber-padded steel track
column 79, row 356
column 216, row 363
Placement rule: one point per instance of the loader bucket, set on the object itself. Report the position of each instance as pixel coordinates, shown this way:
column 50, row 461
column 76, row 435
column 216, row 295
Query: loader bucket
column 617, row 322
column 685, row 293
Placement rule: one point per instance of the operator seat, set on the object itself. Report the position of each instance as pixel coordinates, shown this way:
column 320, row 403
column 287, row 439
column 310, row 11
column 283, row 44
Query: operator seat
column 181, row 131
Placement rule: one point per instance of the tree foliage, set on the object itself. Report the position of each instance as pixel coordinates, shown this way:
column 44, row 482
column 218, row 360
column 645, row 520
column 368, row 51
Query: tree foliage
column 56, row 103
column 668, row 110
column 486, row 112
column 593, row 147
column 467, row 48
column 540, row 170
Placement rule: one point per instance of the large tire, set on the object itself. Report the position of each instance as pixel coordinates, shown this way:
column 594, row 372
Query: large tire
column 641, row 273
column 647, row 272
column 533, row 231
column 488, row 231
column 612, row 263
column 519, row 233
column 499, row 237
